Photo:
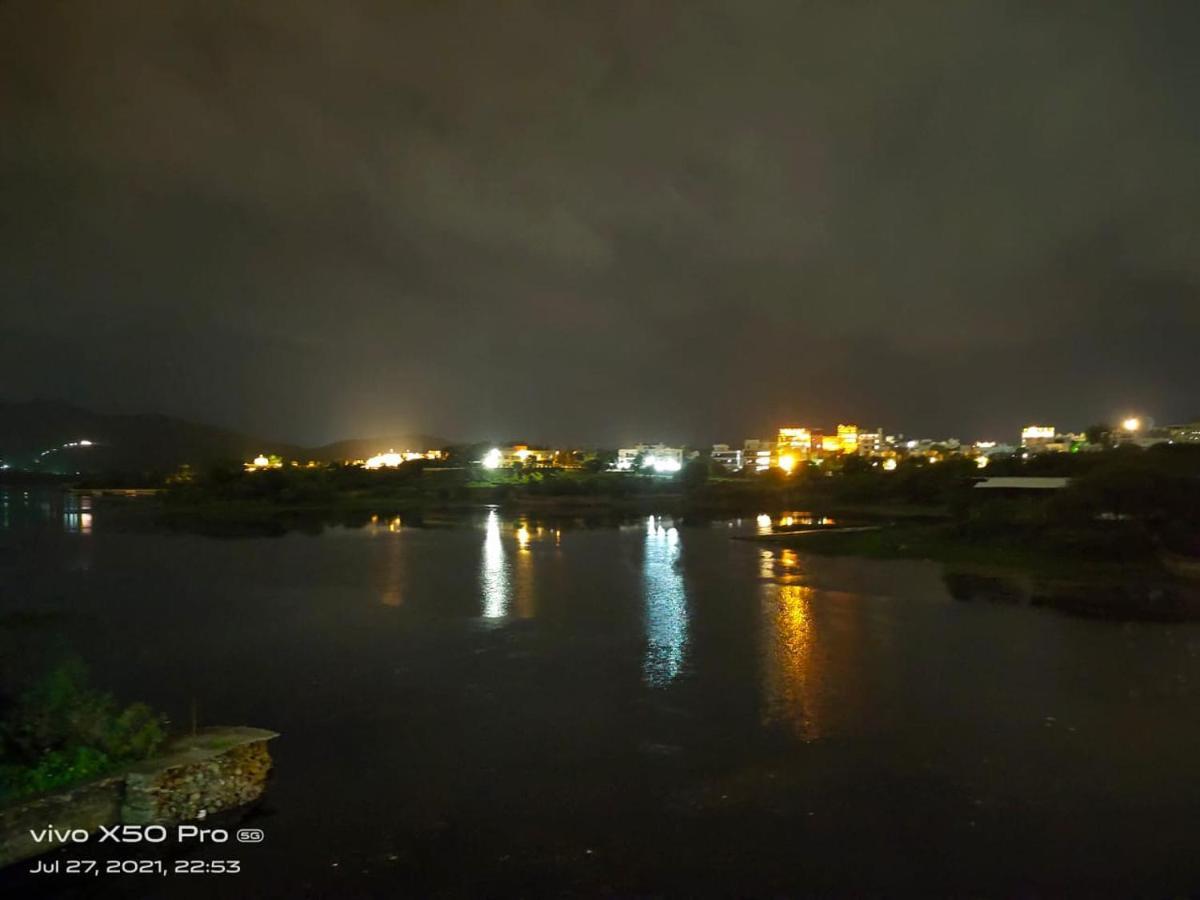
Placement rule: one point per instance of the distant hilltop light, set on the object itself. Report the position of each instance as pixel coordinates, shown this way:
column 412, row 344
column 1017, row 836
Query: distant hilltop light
column 1133, row 423
column 83, row 442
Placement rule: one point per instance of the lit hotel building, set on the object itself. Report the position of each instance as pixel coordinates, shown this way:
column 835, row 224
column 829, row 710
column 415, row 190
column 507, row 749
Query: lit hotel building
column 758, row 454
column 723, row 455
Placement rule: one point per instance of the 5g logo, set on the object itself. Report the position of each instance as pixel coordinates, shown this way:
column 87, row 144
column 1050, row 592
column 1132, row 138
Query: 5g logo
column 250, row 835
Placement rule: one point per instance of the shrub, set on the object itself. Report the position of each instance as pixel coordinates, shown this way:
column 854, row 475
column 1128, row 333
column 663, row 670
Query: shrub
column 60, row 731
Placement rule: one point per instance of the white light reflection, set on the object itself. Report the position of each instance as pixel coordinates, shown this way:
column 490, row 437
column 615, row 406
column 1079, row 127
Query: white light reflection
column 666, row 605
column 494, row 576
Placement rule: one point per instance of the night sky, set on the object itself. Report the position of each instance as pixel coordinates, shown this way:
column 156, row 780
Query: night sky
column 602, row 221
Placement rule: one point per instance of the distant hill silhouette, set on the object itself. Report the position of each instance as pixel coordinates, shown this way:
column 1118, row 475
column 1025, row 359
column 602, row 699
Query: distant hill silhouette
column 149, row 441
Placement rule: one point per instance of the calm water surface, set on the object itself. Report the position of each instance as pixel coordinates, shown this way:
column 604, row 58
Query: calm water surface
column 502, row 706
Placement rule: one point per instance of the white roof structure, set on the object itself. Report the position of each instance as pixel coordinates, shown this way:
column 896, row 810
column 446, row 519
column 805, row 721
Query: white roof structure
column 1025, row 484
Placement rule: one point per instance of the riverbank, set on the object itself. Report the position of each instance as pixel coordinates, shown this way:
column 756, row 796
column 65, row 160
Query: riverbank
column 1020, row 565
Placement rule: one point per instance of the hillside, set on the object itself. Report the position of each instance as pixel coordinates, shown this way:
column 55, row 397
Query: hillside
column 38, row 436
column 35, row 435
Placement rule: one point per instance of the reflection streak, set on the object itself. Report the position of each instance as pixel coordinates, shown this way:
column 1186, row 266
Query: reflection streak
column 791, row 678
column 494, row 577
column 666, row 605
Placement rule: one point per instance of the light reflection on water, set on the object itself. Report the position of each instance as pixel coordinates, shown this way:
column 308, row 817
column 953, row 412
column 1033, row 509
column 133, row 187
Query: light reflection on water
column 494, row 578
column 789, row 666
column 523, row 593
column 507, row 571
column 967, row 709
column 666, row 605
column 393, row 593
column 765, row 524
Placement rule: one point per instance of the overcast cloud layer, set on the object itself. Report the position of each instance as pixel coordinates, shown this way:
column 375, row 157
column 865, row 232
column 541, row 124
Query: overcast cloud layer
column 600, row 221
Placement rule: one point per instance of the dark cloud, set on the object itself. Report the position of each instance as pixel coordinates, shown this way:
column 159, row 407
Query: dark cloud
column 594, row 222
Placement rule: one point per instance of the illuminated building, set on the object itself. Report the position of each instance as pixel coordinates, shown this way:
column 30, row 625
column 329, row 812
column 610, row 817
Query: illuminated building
column 391, row 458
column 871, row 443
column 657, row 458
column 517, row 454
column 1044, row 439
column 733, row 460
column 804, row 444
column 847, row 438
column 262, row 461
column 527, row 456
column 1185, row 433
column 757, row 454
column 1034, row 438
column 395, row 458
column 987, row 449
column 794, row 441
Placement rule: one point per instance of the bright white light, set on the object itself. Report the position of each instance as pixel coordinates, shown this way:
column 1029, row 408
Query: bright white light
column 261, row 461
column 522, row 455
column 889, row 465
column 1133, row 423
column 85, row 443
column 667, row 465
column 981, row 461
column 391, row 458
column 491, row 459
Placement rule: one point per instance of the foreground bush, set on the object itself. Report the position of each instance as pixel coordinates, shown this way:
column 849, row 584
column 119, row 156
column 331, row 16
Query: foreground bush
column 59, row 732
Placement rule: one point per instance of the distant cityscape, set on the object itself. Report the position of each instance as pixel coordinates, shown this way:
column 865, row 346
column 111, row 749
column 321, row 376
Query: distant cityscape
column 789, row 448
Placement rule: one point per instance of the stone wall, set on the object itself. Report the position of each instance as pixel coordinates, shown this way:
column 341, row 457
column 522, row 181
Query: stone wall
column 213, row 770
column 202, row 775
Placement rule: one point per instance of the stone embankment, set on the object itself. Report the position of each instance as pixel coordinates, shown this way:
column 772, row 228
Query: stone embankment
column 196, row 776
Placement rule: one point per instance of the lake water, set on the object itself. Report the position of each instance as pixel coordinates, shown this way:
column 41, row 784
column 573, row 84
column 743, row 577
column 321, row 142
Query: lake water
column 496, row 705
